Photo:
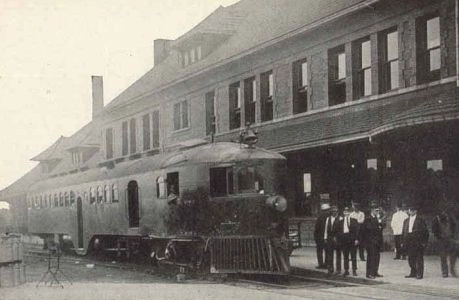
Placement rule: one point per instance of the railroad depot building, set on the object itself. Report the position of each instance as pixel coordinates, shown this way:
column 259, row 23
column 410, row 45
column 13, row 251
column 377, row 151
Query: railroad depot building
column 359, row 95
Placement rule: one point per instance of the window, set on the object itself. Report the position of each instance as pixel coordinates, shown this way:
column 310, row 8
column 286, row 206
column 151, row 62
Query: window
column 61, row 199
column 155, row 121
column 249, row 181
column 114, row 193
column 72, row 198
column 336, row 76
column 428, row 48
column 66, row 199
column 300, row 86
column 132, row 137
column 56, row 200
column 388, row 52
column 160, row 187
column 191, row 56
column 77, row 158
column 362, row 67
column 109, row 143
column 125, row 138
column 100, row 194
column 146, row 132
column 266, row 93
column 173, row 183
column 221, row 181
column 92, row 195
column 107, row 194
column 250, row 99
column 235, row 105
column 181, row 115
column 210, row 113
column 185, row 59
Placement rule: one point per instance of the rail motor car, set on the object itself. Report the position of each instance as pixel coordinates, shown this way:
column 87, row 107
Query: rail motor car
column 220, row 203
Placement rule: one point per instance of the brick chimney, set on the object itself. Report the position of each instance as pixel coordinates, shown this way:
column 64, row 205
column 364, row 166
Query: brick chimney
column 97, row 95
column 160, row 50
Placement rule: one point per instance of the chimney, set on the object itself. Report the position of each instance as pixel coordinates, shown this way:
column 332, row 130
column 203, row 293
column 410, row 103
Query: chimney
column 97, row 95
column 160, row 50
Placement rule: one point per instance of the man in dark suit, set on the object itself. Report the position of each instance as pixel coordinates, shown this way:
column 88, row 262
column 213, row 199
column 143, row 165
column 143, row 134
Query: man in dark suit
column 415, row 238
column 331, row 245
column 372, row 238
column 319, row 235
column 347, row 236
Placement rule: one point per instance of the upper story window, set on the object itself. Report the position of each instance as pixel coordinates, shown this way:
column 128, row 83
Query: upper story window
column 388, row 52
column 235, row 105
column 250, row 99
column 428, row 48
column 181, row 115
column 336, row 76
column 266, row 95
column 300, row 86
column 109, row 143
column 77, row 158
column 146, row 132
column 125, row 138
column 155, row 128
column 210, row 113
column 362, row 66
column 191, row 56
column 132, row 136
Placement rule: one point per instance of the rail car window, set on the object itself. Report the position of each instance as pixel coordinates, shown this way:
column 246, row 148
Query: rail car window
column 72, row 198
column 115, row 193
column 160, row 187
column 100, row 194
column 92, row 195
column 61, row 199
column 66, row 199
column 107, row 194
column 221, row 181
column 249, row 180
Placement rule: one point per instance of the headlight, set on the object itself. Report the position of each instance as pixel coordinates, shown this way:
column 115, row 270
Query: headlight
column 278, row 203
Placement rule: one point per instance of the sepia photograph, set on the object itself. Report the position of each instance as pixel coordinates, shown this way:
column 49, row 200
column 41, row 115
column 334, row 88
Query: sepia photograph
column 229, row 149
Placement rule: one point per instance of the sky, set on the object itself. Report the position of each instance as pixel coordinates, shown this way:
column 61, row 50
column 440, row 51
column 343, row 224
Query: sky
column 50, row 48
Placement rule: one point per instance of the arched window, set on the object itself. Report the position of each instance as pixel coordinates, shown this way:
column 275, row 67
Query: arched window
column 107, row 194
column 92, row 195
column 72, row 198
column 160, row 187
column 100, row 194
column 115, row 193
column 56, row 200
column 66, row 199
column 61, row 199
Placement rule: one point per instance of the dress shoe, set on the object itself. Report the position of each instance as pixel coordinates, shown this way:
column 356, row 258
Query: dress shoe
column 396, row 258
column 445, row 275
column 354, row 273
column 418, row 277
column 346, row 273
column 410, row 276
column 321, row 267
column 370, row 277
column 378, row 275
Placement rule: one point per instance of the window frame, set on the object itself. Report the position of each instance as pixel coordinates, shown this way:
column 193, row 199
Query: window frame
column 234, row 91
column 361, row 70
column 387, row 63
column 423, row 51
column 300, row 89
column 181, row 116
column 336, row 83
column 267, row 95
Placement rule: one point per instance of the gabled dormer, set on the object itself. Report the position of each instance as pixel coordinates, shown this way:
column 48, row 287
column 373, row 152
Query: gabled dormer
column 209, row 34
column 51, row 157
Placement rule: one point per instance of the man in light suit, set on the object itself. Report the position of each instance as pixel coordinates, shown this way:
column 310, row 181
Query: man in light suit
column 415, row 238
column 331, row 245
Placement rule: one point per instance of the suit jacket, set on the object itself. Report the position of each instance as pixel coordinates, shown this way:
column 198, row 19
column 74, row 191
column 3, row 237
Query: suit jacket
column 419, row 236
column 319, row 228
column 371, row 232
column 346, row 238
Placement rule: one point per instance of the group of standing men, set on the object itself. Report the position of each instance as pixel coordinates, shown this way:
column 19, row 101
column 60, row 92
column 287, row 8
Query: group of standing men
column 344, row 234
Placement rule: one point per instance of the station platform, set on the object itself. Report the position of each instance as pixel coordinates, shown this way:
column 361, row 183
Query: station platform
column 394, row 271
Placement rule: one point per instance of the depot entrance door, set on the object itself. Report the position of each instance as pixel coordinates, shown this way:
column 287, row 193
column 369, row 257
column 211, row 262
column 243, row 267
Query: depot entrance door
column 133, row 204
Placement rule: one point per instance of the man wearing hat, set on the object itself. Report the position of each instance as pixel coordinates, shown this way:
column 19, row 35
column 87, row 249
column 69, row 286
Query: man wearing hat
column 319, row 231
column 331, row 245
column 347, row 236
column 415, row 238
column 372, row 237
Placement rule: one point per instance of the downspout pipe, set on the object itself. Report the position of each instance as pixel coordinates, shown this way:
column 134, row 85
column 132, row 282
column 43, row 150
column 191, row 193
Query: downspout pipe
column 457, row 43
